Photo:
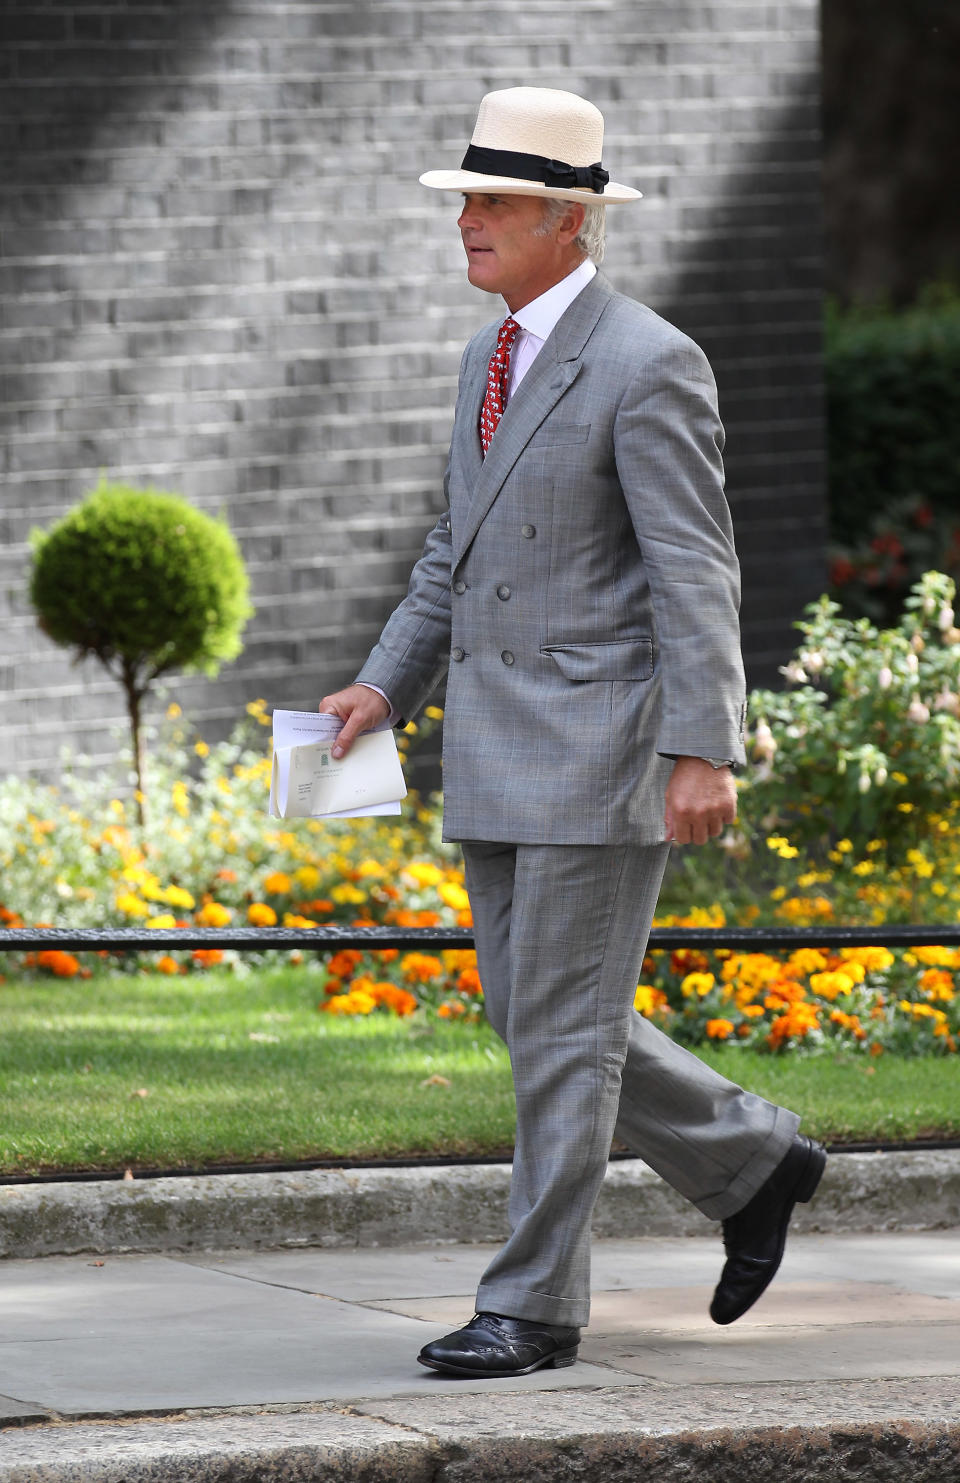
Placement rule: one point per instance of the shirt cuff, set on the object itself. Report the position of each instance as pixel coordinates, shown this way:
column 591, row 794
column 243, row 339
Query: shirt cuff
column 394, row 715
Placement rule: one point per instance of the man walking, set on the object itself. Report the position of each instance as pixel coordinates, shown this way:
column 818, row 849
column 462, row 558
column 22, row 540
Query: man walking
column 583, row 590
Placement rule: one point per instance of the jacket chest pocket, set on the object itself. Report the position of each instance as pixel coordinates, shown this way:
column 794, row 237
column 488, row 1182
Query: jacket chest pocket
column 616, row 659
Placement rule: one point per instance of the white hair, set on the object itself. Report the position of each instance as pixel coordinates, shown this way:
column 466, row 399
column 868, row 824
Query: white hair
column 591, row 237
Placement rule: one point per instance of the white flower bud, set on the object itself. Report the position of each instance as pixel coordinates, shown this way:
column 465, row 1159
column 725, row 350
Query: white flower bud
column 913, row 664
column 765, row 743
column 885, row 677
column 929, row 602
column 864, row 783
column 794, row 672
column 880, row 776
column 917, row 711
column 947, row 701
column 945, row 618
column 813, row 661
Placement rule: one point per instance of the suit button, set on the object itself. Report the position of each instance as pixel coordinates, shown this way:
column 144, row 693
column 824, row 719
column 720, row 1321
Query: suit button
column 457, row 654
column 503, row 592
column 529, row 531
column 507, row 657
column 459, row 586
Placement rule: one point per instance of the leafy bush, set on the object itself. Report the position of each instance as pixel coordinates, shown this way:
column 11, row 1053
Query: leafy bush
column 146, row 584
column 867, row 734
column 893, row 394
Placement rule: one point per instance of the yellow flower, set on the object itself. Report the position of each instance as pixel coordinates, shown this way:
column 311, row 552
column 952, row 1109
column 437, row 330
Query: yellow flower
column 453, row 896
column 180, row 796
column 173, row 711
column 647, row 1000
column 290, row 919
column 369, row 869
column 873, row 959
column 905, row 808
column 423, row 873
column 261, row 915
column 201, row 749
column 132, row 905
column 167, row 919
column 864, row 867
column 899, row 777
column 697, row 983
column 213, row 914
column 845, row 846
column 356, row 1002
column 831, row 985
column 277, row 884
column 433, row 713
column 348, row 894
column 307, row 876
column 806, row 960
column 177, row 896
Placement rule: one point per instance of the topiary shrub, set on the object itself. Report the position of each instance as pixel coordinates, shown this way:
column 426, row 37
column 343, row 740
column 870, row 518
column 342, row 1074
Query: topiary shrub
column 893, row 400
column 145, row 583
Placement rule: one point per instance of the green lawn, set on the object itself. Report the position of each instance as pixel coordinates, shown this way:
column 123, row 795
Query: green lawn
column 164, row 1072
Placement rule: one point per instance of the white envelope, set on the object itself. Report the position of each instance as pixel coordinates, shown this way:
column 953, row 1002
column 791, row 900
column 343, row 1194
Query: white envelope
column 309, row 782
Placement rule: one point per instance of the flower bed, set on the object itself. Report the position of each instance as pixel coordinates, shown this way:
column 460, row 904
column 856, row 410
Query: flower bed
column 848, row 814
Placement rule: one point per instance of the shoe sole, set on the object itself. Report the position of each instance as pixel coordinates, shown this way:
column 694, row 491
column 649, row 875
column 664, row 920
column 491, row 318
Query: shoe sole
column 803, row 1191
column 558, row 1361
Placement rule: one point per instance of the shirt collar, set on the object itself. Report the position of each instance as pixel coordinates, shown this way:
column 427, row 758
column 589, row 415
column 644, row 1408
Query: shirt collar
column 541, row 314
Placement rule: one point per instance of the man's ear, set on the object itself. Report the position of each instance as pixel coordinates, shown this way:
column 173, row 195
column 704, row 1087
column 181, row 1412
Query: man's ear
column 570, row 223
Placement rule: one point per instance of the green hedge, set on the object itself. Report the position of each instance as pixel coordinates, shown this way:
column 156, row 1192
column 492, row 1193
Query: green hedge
column 893, row 397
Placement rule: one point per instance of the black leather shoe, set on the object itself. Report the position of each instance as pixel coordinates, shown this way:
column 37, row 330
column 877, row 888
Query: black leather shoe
column 492, row 1345
column 754, row 1238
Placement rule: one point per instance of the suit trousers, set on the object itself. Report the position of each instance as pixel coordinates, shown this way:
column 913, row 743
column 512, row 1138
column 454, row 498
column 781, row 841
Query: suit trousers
column 561, row 932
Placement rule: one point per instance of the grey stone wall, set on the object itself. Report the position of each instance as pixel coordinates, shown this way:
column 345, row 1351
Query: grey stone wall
column 220, row 276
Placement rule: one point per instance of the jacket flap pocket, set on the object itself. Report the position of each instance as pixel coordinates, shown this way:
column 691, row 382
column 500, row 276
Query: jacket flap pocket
column 619, row 659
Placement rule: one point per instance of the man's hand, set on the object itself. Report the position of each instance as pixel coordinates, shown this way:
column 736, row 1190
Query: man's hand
column 359, row 708
column 701, row 801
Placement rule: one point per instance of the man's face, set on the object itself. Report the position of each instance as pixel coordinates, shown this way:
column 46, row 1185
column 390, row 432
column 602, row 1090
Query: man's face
column 507, row 251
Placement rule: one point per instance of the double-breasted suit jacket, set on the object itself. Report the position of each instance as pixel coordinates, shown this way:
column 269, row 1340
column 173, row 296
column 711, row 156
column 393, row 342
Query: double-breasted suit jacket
column 582, row 587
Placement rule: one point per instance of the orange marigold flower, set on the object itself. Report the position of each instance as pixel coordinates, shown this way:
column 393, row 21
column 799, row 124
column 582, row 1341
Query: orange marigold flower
column 342, row 964
column 290, row 919
column 719, row 1029
column 451, row 1011
column 469, row 982
column 63, row 965
column 207, row 957
column 259, row 914
column 277, row 884
column 421, row 967
column 227, row 875
column 166, row 964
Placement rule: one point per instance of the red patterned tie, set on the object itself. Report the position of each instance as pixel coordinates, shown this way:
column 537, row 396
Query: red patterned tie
column 498, row 375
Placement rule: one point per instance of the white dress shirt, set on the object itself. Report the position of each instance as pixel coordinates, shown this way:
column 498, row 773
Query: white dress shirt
column 538, row 318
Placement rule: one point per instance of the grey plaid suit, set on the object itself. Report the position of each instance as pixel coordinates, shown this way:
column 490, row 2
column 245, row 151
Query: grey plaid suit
column 582, row 591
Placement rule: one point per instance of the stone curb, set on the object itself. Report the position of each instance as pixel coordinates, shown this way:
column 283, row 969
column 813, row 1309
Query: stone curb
column 864, row 1432
column 430, row 1206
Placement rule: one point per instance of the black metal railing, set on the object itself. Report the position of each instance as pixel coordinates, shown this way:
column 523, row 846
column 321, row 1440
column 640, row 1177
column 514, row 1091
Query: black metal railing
column 333, row 937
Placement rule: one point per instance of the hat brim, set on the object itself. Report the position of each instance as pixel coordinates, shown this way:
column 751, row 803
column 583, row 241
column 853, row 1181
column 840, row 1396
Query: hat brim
column 509, row 185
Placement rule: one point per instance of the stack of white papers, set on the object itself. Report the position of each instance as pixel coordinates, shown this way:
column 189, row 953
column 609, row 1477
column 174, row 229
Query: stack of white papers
column 308, row 782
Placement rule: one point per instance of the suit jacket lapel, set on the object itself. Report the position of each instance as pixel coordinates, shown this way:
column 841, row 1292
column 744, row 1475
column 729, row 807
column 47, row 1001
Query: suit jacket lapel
column 552, row 373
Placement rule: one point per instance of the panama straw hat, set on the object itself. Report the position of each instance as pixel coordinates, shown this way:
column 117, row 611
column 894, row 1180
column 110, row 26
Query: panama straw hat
column 535, row 142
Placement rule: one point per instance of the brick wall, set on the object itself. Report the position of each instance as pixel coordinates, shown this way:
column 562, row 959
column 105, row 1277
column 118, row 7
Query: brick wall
column 220, row 276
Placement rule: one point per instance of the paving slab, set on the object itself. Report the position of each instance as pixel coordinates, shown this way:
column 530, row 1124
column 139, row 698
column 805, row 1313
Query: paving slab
column 246, row 1366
